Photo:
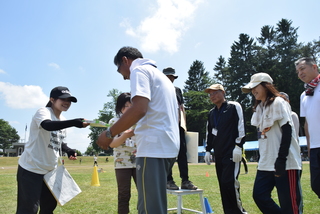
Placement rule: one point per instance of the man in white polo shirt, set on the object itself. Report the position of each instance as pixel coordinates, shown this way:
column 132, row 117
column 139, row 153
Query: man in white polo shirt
column 155, row 111
column 308, row 72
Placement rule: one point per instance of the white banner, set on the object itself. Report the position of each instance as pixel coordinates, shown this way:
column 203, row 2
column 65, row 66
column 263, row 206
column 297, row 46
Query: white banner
column 192, row 146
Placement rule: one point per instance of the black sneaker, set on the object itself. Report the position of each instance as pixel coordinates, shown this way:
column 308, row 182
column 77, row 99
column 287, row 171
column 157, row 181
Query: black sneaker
column 172, row 185
column 188, row 185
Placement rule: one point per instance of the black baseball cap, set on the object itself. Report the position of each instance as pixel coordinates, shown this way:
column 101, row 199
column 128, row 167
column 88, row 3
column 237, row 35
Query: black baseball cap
column 61, row 92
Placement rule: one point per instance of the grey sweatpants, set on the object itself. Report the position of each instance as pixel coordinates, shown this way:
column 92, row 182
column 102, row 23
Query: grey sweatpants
column 152, row 184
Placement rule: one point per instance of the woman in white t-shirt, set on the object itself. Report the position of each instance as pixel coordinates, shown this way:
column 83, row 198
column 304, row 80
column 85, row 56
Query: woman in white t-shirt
column 124, row 156
column 280, row 162
column 42, row 151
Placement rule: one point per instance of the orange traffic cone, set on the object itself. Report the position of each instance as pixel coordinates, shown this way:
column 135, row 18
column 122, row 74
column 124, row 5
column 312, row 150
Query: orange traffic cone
column 95, row 177
column 207, row 174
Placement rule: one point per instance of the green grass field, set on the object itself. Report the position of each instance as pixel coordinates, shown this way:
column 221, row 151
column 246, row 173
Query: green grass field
column 103, row 199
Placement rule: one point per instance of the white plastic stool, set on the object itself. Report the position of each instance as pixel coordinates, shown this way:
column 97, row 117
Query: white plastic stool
column 179, row 193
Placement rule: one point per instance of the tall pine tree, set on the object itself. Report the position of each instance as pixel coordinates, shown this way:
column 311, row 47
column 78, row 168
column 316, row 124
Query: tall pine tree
column 196, row 100
column 287, row 49
column 241, row 65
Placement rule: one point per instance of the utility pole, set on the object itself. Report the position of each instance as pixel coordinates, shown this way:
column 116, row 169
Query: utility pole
column 25, row 134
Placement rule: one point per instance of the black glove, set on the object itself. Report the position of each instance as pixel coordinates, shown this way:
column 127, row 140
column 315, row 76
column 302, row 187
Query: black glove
column 280, row 167
column 78, row 122
column 69, row 151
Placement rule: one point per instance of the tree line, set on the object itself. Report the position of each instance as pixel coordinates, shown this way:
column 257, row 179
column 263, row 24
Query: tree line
column 273, row 52
column 8, row 135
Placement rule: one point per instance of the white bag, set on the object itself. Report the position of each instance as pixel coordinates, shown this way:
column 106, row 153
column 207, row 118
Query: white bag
column 61, row 185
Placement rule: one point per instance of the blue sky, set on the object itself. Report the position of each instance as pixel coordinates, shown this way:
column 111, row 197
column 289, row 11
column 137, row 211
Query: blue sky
column 72, row 43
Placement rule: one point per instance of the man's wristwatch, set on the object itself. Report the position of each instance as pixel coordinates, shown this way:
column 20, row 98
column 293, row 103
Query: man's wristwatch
column 108, row 133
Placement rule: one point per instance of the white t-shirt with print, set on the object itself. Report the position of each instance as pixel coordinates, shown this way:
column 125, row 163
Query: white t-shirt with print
column 309, row 108
column 275, row 116
column 157, row 133
column 124, row 156
column 41, row 152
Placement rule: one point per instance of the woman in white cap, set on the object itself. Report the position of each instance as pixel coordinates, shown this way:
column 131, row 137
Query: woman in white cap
column 280, row 162
column 42, row 151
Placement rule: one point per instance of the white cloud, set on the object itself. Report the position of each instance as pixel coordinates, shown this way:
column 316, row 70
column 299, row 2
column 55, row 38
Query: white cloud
column 22, row 97
column 2, row 71
column 165, row 27
column 54, row 65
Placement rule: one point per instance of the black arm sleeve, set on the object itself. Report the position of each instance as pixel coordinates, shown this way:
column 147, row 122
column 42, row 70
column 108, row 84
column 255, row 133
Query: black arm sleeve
column 280, row 164
column 285, row 141
column 50, row 125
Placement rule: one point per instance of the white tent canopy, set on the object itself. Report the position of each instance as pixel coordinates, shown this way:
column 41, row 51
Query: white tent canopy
column 252, row 145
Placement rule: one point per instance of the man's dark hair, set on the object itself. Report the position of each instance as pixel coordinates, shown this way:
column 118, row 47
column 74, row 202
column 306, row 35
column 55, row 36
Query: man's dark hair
column 129, row 52
column 308, row 60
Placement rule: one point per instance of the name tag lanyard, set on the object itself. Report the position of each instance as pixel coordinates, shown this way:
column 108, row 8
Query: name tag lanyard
column 216, row 119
